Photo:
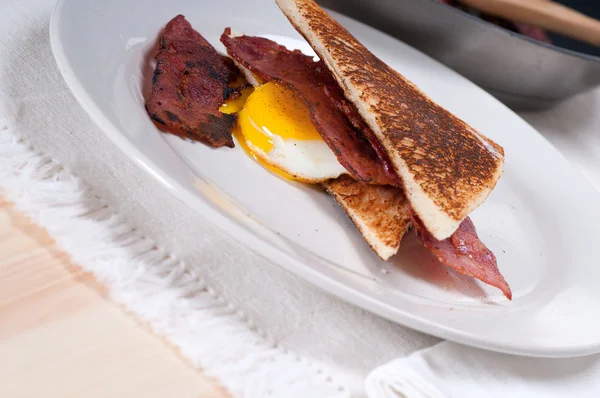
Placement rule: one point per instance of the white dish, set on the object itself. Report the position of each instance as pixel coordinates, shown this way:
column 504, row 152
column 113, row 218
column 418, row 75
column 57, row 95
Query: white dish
column 542, row 221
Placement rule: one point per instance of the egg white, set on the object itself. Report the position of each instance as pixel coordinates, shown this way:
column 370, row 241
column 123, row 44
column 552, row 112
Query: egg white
column 310, row 161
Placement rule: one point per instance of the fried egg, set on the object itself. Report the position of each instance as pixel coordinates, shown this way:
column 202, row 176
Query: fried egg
column 276, row 129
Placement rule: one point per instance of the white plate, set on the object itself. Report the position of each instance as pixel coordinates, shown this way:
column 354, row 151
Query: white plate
column 542, row 221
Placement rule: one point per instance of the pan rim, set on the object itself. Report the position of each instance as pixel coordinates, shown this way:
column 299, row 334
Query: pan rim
column 565, row 51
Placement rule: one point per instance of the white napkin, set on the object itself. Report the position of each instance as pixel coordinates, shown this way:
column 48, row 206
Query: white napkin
column 452, row 370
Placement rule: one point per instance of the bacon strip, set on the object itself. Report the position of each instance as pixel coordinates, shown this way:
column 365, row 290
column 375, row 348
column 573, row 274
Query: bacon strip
column 465, row 253
column 336, row 119
column 355, row 145
column 190, row 82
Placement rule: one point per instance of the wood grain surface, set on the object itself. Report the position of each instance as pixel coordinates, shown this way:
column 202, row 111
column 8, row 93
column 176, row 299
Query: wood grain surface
column 60, row 336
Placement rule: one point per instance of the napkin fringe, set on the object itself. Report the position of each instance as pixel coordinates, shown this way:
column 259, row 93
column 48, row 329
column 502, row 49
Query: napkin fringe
column 153, row 284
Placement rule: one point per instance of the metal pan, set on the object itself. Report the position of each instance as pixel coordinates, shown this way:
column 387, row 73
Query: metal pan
column 521, row 72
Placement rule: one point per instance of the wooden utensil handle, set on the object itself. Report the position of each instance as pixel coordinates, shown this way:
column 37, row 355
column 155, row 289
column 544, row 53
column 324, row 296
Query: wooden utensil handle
column 544, row 14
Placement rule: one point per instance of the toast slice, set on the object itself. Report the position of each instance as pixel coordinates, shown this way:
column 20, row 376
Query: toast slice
column 381, row 213
column 447, row 167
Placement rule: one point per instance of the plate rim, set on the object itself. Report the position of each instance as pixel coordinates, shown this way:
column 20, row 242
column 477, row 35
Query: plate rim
column 276, row 255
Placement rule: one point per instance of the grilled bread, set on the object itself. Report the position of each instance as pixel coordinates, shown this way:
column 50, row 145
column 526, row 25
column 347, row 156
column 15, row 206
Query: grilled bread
column 447, row 167
column 381, row 213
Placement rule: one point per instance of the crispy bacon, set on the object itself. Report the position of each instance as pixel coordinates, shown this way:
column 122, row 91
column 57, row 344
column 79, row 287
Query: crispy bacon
column 336, row 119
column 465, row 253
column 190, row 82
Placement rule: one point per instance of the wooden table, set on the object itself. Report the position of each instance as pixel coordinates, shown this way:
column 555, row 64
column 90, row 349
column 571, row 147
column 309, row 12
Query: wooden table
column 61, row 337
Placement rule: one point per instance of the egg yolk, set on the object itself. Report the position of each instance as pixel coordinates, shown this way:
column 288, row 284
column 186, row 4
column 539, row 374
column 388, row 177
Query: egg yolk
column 268, row 110
column 271, row 110
column 236, row 104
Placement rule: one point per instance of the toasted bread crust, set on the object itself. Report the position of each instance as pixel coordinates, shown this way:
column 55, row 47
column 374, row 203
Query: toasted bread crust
column 447, row 167
column 381, row 213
